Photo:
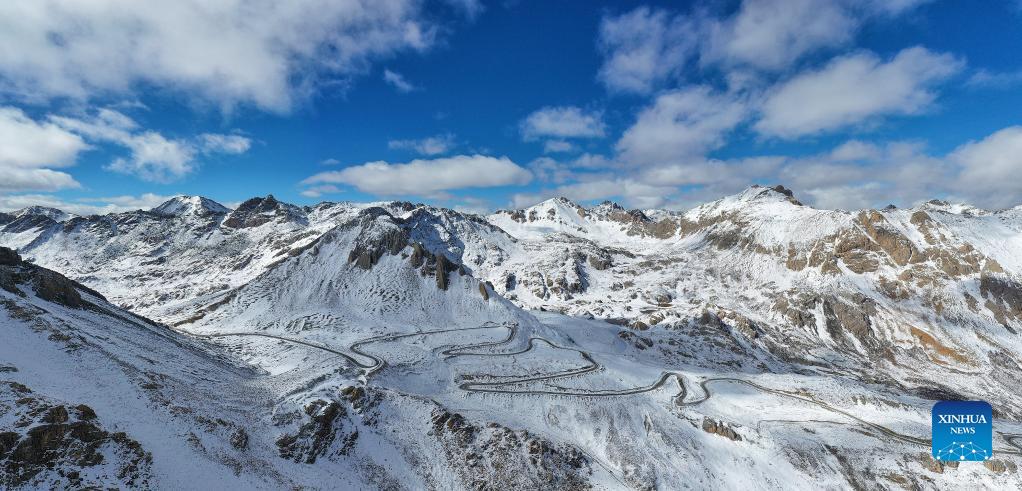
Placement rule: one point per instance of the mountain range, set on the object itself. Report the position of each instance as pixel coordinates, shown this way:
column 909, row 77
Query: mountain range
column 750, row 342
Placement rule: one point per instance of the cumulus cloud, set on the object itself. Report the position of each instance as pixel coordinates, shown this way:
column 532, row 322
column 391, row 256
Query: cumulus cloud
column 398, row 81
column 990, row 169
column 645, row 48
column 854, row 88
column 562, row 122
column 683, row 123
column 30, row 149
column 153, row 157
column 428, row 178
column 264, row 53
column 434, row 145
column 772, row 34
column 860, row 174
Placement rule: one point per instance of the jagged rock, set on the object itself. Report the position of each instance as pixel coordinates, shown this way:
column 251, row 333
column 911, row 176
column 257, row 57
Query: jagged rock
column 484, row 291
column 934, row 465
column 9, row 257
column 720, row 428
column 418, row 256
column 1004, row 298
column 314, row 438
column 56, row 288
column 239, row 439
column 497, row 457
column 599, row 263
column 371, row 246
column 57, row 442
column 852, row 316
column 443, row 266
column 897, row 246
column 1000, row 466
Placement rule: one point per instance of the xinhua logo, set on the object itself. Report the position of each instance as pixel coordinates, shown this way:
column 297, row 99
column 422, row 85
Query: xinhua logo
column 962, row 430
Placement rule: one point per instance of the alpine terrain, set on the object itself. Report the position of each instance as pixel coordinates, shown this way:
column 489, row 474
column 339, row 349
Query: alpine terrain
column 750, row 342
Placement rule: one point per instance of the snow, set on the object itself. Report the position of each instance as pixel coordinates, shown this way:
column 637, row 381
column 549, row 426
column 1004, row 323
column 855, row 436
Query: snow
column 270, row 318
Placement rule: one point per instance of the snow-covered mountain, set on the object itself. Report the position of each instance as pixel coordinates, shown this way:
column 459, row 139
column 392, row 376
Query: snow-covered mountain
column 749, row 342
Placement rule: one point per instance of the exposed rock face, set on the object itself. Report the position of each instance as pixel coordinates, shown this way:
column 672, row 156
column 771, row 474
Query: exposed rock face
column 443, row 267
column 720, row 428
column 496, row 457
column 314, row 438
column 1004, row 298
column 898, row 247
column 1000, row 466
column 9, row 257
column 56, row 288
column 258, row 211
column 61, row 446
column 49, row 285
column 382, row 234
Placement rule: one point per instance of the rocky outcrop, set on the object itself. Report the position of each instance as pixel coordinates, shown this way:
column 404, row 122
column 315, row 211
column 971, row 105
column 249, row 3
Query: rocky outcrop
column 492, row 456
column 316, row 437
column 258, row 211
column 1003, row 298
column 999, row 466
column 60, row 446
column 443, row 267
column 9, row 257
column 48, row 285
column 720, row 428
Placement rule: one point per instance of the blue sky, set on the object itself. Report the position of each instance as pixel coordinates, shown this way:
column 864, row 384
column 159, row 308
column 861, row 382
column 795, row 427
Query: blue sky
column 108, row 105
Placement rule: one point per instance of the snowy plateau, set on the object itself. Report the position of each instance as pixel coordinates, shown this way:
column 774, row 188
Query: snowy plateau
column 752, row 342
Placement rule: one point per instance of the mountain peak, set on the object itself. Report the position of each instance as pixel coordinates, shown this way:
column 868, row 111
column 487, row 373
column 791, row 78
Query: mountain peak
column 259, row 210
column 190, row 205
column 758, row 193
column 55, row 214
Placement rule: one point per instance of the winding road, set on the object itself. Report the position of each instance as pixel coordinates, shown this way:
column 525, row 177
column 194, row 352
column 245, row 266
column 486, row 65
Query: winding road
column 508, row 386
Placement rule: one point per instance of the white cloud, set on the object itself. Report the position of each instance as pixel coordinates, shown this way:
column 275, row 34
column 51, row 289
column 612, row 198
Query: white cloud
column 852, row 89
column 260, row 52
column 317, row 191
column 30, row 148
column 21, row 179
column 90, row 206
column 991, row 169
column 434, row 145
column 26, row 143
column 330, row 161
column 153, row 156
column 558, row 146
column 683, row 123
column 772, row 34
column 562, row 122
column 427, row 177
column 994, row 80
column 232, row 144
column 644, row 47
column 398, row 82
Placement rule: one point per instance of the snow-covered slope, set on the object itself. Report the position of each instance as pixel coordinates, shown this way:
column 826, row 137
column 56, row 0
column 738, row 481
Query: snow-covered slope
column 751, row 342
